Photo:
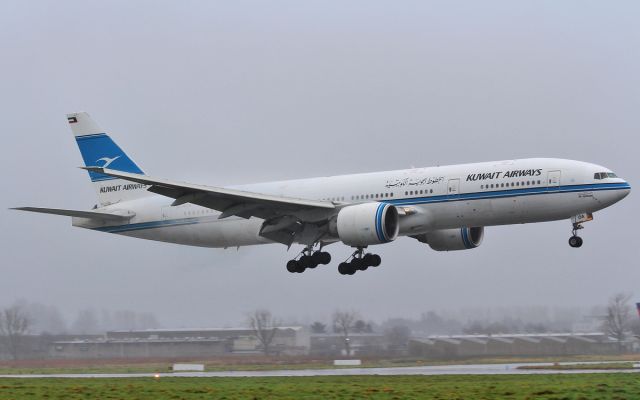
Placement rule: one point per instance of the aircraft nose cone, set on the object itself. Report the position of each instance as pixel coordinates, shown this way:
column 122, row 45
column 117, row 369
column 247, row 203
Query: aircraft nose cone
column 624, row 192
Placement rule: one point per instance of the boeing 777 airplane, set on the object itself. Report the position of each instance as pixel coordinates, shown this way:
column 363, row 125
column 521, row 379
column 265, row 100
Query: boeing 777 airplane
column 446, row 207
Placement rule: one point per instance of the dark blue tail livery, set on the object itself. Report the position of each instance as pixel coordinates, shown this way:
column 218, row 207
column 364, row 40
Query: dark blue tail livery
column 99, row 150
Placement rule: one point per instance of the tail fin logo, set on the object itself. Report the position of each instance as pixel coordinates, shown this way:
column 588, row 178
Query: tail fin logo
column 107, row 161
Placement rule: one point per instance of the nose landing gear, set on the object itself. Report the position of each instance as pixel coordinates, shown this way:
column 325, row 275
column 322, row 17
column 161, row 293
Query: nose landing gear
column 575, row 241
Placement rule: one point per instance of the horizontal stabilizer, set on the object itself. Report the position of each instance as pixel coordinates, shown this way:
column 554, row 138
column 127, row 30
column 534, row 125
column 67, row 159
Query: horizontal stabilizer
column 76, row 213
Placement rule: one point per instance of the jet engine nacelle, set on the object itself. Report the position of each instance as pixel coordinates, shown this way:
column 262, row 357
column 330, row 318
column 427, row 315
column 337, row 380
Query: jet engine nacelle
column 453, row 239
column 367, row 224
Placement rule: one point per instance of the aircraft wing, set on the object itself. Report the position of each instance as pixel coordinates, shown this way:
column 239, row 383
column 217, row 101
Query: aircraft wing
column 228, row 201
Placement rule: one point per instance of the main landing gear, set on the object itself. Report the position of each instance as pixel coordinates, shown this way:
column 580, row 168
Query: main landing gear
column 359, row 262
column 575, row 241
column 308, row 259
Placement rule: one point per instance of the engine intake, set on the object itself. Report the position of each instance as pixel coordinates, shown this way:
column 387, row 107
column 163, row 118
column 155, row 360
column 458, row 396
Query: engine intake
column 453, row 239
column 367, row 224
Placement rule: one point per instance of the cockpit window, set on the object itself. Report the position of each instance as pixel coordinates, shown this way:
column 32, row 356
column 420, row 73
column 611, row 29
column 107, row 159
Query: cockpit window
column 604, row 175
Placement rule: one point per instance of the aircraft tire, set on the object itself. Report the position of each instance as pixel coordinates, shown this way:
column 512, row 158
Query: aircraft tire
column 359, row 264
column 575, row 241
column 376, row 260
column 292, row 266
column 308, row 262
column 372, row 260
column 351, row 269
column 343, row 268
column 324, row 257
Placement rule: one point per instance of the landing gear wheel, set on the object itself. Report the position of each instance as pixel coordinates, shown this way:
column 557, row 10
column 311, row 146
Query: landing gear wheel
column 308, row 262
column 361, row 264
column 368, row 259
column 321, row 257
column 294, row 266
column 372, row 260
column 346, row 269
column 575, row 241
column 325, row 258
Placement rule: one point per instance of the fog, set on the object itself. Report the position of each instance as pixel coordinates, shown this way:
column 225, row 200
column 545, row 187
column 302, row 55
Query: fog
column 248, row 91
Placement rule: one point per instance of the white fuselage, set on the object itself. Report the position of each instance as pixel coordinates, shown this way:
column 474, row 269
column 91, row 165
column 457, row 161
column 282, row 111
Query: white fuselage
column 467, row 195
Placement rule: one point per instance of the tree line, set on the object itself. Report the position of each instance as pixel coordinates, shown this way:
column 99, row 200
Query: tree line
column 617, row 320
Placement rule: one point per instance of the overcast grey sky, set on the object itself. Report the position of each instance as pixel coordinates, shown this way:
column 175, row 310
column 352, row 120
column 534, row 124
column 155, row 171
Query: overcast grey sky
column 246, row 91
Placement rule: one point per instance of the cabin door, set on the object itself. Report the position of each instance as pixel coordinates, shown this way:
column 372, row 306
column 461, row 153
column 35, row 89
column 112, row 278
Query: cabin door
column 553, row 180
column 453, row 188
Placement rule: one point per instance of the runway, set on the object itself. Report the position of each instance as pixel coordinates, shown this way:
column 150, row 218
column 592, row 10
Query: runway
column 472, row 369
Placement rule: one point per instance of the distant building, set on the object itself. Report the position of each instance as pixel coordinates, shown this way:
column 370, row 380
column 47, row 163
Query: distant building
column 33, row 347
column 331, row 344
column 463, row 346
column 175, row 343
column 588, row 323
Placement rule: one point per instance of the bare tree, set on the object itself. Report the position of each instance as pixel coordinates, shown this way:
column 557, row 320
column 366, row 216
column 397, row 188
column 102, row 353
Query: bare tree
column 398, row 337
column 43, row 318
column 14, row 324
column 86, row 323
column 264, row 326
column 362, row 327
column 318, row 327
column 343, row 323
column 617, row 321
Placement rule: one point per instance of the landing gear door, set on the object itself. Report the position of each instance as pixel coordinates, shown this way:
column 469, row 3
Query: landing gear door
column 553, row 180
column 453, row 188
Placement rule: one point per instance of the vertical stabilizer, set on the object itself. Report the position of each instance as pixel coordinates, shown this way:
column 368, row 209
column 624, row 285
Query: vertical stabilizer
column 98, row 149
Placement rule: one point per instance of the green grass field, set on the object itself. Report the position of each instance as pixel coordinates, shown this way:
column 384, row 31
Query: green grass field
column 557, row 387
